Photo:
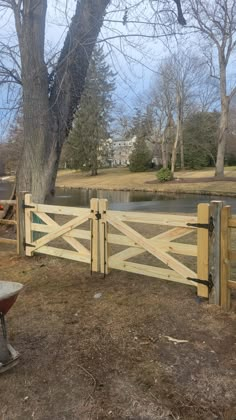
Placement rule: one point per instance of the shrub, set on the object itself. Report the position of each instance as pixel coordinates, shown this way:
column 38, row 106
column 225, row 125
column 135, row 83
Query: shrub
column 164, row 175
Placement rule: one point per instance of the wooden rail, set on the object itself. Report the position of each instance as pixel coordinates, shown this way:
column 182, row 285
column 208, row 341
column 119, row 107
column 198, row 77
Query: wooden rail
column 227, row 256
column 9, row 223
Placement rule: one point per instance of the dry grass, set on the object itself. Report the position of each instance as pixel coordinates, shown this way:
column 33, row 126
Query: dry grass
column 109, row 358
column 123, row 179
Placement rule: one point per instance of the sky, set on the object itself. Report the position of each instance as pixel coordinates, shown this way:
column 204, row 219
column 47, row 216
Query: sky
column 134, row 59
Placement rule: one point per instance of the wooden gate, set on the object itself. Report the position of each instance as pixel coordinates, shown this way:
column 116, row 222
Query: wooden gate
column 105, row 229
column 161, row 245
column 51, row 230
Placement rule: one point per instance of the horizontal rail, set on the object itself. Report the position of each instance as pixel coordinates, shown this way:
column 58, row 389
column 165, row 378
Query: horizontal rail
column 232, row 255
column 63, row 210
column 8, row 202
column 147, row 270
column 7, row 222
column 64, row 253
column 232, row 284
column 232, row 222
column 8, row 241
column 162, row 219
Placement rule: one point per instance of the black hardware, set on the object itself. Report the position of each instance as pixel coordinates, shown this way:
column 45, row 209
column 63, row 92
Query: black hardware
column 208, row 283
column 27, row 206
column 98, row 215
column 209, row 226
column 30, row 245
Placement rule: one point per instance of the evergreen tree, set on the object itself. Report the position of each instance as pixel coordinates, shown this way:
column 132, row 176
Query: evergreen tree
column 85, row 147
column 142, row 128
column 200, row 137
column 141, row 157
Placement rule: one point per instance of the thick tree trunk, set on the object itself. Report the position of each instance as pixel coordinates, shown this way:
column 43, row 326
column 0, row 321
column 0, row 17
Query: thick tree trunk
column 181, row 147
column 49, row 109
column 223, row 129
column 224, row 117
column 178, row 135
column 164, row 151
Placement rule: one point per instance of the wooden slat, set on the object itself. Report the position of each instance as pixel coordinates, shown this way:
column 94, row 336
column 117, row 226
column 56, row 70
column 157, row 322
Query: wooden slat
column 203, row 250
column 231, row 284
column 63, row 210
column 214, row 251
column 163, row 219
column 8, row 241
column 147, row 270
column 232, row 255
column 232, row 222
column 94, row 207
column 7, row 222
column 8, row 202
column 224, row 256
column 28, row 221
column 104, row 245
column 75, row 233
column 64, row 253
column 61, row 231
column 148, row 246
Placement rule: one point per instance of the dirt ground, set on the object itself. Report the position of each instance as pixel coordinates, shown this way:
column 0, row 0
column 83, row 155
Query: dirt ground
column 88, row 356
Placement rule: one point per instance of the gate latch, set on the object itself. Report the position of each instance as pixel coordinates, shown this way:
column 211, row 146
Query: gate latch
column 98, row 215
column 208, row 283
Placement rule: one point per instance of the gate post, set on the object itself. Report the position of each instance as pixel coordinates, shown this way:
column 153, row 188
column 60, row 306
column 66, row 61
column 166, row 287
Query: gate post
column 214, row 252
column 103, row 245
column 203, row 249
column 20, row 219
column 225, row 257
column 94, row 228
column 28, row 221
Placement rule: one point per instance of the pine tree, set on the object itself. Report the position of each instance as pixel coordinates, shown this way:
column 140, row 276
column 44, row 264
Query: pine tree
column 85, row 145
column 141, row 156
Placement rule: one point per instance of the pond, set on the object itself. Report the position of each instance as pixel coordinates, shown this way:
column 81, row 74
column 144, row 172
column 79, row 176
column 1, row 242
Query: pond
column 129, row 200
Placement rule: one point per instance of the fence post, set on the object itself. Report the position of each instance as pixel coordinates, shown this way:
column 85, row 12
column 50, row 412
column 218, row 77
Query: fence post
column 20, row 219
column 94, row 207
column 103, row 245
column 225, row 257
column 203, row 249
column 28, row 222
column 214, row 252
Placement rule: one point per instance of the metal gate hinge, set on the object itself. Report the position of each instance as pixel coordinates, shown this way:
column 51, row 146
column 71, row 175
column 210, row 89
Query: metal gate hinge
column 27, row 206
column 208, row 283
column 30, row 245
column 209, row 226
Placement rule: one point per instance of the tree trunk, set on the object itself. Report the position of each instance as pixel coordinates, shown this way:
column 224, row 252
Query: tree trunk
column 223, row 129
column 164, row 151
column 181, row 146
column 178, row 133
column 174, row 150
column 49, row 108
column 224, row 117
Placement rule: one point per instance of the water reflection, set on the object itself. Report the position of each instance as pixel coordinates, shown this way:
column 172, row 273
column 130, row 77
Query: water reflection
column 128, row 200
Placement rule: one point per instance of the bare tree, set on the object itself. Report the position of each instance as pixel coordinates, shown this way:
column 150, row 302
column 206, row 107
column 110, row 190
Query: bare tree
column 215, row 20
column 51, row 99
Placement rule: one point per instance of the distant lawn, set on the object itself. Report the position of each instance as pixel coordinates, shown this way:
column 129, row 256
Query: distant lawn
column 122, row 179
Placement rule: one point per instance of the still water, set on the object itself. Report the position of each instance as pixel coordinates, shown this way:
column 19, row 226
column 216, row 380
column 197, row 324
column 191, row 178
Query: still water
column 129, row 200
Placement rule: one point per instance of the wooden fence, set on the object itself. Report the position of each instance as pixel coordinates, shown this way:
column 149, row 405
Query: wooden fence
column 5, row 222
column 92, row 235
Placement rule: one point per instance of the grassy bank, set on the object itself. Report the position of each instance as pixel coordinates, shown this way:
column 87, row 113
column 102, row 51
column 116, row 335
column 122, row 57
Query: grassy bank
column 123, row 179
